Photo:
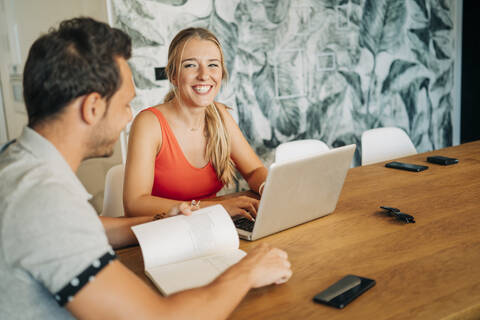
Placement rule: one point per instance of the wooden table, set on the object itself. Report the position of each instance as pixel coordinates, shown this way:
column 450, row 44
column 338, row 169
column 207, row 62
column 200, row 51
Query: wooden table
column 426, row 270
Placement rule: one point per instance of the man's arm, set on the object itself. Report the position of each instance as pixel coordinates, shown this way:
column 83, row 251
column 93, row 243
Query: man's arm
column 116, row 293
column 119, row 232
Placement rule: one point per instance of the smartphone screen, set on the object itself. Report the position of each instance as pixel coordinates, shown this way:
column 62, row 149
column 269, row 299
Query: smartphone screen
column 344, row 291
column 405, row 166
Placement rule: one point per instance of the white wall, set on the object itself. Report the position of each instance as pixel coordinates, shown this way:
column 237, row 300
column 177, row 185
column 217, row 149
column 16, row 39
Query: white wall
column 13, row 110
column 21, row 22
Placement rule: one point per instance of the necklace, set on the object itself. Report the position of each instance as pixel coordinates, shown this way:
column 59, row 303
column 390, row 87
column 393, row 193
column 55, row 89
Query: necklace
column 200, row 126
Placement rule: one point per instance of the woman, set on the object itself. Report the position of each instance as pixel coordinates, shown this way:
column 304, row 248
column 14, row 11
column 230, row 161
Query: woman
column 187, row 148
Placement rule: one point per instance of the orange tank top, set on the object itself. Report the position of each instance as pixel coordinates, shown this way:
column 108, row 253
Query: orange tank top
column 174, row 177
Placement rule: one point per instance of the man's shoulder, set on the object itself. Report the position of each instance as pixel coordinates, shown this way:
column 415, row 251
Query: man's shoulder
column 32, row 187
column 37, row 200
column 26, row 174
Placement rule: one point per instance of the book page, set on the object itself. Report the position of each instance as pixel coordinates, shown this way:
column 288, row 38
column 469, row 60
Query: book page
column 205, row 232
column 192, row 273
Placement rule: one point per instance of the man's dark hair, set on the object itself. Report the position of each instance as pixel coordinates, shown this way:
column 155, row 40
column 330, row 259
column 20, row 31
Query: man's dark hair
column 76, row 59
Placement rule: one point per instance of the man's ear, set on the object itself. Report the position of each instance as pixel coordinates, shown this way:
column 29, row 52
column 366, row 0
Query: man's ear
column 93, row 108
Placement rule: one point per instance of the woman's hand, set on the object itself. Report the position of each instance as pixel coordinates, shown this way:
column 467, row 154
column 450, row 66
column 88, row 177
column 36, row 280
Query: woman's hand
column 241, row 206
column 184, row 208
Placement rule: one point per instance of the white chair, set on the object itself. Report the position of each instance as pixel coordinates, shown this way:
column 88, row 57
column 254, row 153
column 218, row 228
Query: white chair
column 113, row 193
column 381, row 144
column 299, row 149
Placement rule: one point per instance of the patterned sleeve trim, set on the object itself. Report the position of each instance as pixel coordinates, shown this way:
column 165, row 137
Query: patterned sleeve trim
column 69, row 291
column 6, row 145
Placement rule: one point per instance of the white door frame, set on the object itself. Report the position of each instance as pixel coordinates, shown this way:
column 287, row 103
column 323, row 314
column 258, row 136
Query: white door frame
column 457, row 76
column 3, row 123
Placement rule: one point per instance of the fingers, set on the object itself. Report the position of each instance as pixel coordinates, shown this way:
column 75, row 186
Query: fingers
column 241, row 213
column 269, row 266
column 183, row 208
column 247, row 204
column 247, row 215
column 283, row 266
column 252, row 209
column 242, row 205
column 254, row 203
column 282, row 254
column 284, row 278
column 287, row 271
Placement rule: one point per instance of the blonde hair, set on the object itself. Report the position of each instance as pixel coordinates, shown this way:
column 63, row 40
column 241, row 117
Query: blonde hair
column 218, row 140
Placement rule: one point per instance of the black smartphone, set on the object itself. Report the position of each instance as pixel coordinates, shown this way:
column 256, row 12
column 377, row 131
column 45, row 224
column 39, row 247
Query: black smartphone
column 442, row 160
column 344, row 291
column 406, row 166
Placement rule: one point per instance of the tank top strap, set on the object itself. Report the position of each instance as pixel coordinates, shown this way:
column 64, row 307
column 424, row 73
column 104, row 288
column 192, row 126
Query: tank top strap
column 168, row 137
column 160, row 117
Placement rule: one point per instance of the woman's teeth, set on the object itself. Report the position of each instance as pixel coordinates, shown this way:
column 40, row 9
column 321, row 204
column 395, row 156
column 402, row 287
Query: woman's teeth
column 201, row 89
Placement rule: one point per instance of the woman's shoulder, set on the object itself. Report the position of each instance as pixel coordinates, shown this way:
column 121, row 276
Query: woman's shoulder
column 145, row 116
column 146, row 125
column 221, row 106
column 150, row 114
column 147, row 119
column 224, row 110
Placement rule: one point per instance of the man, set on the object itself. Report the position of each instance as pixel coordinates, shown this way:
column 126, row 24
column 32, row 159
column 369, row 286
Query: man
column 56, row 256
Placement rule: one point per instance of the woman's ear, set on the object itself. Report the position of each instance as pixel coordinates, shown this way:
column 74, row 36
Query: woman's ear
column 174, row 78
column 93, row 108
column 174, row 82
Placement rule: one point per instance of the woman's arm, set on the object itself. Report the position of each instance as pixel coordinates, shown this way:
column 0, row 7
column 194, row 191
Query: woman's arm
column 249, row 166
column 145, row 140
column 242, row 154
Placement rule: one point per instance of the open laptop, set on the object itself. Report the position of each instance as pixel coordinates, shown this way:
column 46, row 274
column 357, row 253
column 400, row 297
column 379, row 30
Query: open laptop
column 298, row 191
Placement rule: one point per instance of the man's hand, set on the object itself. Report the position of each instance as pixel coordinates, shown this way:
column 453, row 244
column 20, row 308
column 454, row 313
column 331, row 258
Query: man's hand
column 267, row 266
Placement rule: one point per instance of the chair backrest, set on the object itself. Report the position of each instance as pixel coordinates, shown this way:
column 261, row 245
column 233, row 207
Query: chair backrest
column 123, row 145
column 299, row 149
column 381, row 144
column 113, row 194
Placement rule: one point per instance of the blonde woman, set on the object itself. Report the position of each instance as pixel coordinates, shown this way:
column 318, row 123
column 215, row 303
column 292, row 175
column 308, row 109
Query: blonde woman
column 188, row 147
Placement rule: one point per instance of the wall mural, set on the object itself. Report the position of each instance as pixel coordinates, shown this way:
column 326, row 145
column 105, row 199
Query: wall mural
column 323, row 69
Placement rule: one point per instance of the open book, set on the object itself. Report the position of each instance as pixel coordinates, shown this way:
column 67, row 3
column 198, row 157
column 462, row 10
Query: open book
column 185, row 252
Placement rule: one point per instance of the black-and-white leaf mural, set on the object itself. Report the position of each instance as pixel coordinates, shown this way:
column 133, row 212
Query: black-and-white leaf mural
column 172, row 2
column 394, row 80
column 276, row 10
column 382, row 25
column 326, row 69
column 381, row 31
column 445, row 81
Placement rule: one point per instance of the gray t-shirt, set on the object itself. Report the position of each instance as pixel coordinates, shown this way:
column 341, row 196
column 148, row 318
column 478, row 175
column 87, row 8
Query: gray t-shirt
column 49, row 233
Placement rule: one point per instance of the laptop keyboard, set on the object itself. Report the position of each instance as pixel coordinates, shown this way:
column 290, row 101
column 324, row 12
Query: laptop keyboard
column 244, row 224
